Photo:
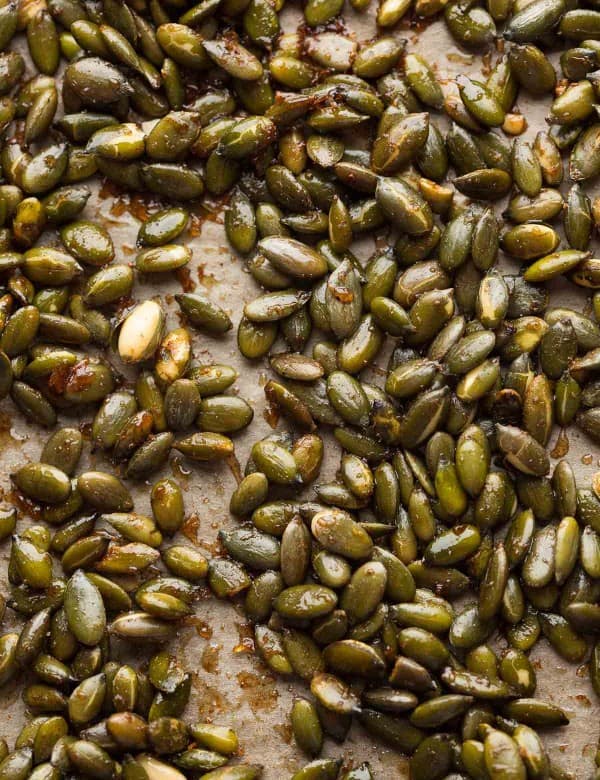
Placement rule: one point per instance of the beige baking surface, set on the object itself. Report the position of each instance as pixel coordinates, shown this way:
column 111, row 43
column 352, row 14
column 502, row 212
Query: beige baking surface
column 230, row 685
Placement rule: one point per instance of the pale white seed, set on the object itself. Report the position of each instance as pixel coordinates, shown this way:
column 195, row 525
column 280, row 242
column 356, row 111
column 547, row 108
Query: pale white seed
column 141, row 627
column 141, row 332
column 156, row 770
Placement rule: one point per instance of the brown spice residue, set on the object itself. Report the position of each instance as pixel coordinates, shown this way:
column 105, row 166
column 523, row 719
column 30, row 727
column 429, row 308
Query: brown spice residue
column 206, row 280
column 210, row 658
column 80, row 377
column 203, row 629
column 246, row 636
column 184, row 278
column 195, row 225
column 271, row 415
column 136, row 205
column 139, row 205
column 214, row 547
column 189, row 527
column 285, row 732
column 210, row 700
column 258, row 691
column 209, row 211
column 234, row 467
column 561, row 446
column 108, row 189
column 57, row 379
column 24, row 505
column 341, row 292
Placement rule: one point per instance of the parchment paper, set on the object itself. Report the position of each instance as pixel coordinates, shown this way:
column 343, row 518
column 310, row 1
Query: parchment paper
column 230, row 685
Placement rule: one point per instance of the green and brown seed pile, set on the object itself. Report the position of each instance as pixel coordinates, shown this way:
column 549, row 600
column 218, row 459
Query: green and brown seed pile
column 445, row 527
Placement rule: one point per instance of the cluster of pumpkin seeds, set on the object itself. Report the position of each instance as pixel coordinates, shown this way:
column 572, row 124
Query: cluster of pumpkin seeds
column 93, row 716
column 444, row 486
column 444, row 490
column 119, row 714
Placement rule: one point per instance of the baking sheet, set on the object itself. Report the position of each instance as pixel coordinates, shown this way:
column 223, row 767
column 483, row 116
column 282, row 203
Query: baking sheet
column 230, row 685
